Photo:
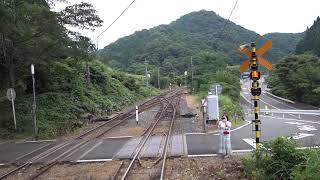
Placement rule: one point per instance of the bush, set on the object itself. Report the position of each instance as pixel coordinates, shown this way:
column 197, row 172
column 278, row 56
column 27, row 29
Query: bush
column 228, row 107
column 275, row 161
column 310, row 169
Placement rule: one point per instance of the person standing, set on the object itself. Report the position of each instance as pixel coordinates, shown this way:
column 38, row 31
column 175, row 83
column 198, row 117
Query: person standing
column 225, row 137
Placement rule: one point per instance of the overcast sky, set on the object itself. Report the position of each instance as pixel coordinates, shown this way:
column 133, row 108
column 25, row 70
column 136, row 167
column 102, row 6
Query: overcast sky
column 261, row 16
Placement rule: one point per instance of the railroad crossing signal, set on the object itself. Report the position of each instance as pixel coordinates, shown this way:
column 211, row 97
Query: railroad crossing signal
column 264, row 48
column 255, row 59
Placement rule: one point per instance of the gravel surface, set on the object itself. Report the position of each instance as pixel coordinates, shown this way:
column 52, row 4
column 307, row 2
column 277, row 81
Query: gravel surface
column 131, row 128
column 201, row 168
column 205, row 168
column 188, row 125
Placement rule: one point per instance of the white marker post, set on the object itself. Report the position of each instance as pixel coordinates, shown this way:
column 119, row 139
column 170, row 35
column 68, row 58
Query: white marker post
column 11, row 95
column 34, row 103
column 137, row 115
column 14, row 111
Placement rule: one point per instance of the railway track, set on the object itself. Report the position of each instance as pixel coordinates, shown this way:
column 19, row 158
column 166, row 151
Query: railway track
column 169, row 111
column 63, row 150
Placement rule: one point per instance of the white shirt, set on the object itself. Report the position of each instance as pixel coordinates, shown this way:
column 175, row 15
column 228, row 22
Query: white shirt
column 224, row 126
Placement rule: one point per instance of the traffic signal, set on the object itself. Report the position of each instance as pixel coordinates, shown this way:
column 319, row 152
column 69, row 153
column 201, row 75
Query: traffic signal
column 255, row 75
column 256, row 92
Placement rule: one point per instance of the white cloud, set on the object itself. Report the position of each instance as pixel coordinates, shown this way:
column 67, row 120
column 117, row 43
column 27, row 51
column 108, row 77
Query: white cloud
column 262, row 16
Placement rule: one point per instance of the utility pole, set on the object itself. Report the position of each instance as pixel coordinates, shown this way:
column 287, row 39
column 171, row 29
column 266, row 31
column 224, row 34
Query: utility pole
column 158, row 78
column 191, row 75
column 146, row 63
column 34, row 104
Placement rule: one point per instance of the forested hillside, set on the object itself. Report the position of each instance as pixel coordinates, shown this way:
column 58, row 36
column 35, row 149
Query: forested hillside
column 70, row 83
column 311, row 40
column 171, row 46
column 283, row 44
column 297, row 77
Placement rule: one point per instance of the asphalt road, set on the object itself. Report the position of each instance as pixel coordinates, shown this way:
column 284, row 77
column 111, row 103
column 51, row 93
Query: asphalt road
column 304, row 129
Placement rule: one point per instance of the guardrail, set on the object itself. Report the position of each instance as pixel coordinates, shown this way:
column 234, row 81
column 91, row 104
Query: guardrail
column 280, row 98
column 302, row 112
column 290, row 111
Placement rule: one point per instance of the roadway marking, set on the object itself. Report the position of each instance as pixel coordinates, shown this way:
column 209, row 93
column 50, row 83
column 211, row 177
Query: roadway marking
column 301, row 135
column 251, row 142
column 248, row 122
column 288, row 119
column 92, row 160
column 307, row 128
column 91, row 149
column 294, row 123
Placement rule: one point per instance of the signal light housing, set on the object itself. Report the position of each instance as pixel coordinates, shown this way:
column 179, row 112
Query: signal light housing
column 256, row 92
column 255, row 75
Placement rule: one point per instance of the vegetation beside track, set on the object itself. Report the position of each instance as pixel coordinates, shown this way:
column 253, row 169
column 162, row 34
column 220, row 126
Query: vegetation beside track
column 280, row 159
column 70, row 101
column 70, row 82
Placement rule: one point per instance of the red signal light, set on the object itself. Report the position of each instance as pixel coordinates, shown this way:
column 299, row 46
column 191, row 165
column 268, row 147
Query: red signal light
column 255, row 75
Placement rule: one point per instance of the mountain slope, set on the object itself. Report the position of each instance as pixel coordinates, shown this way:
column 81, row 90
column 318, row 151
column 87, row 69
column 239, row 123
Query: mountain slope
column 283, row 44
column 171, row 46
column 311, row 40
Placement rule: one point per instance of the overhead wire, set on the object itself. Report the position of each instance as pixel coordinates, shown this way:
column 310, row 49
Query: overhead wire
column 225, row 24
column 115, row 20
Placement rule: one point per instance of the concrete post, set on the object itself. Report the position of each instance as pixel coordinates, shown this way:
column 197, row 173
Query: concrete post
column 137, row 115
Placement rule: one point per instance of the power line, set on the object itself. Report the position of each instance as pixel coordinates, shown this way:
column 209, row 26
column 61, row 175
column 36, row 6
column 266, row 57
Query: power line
column 225, row 24
column 115, row 20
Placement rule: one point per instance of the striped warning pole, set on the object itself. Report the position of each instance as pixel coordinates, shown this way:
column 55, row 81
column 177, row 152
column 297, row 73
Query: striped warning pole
column 256, row 92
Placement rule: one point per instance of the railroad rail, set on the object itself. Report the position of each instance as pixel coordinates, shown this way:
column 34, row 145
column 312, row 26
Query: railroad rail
column 86, row 136
column 169, row 106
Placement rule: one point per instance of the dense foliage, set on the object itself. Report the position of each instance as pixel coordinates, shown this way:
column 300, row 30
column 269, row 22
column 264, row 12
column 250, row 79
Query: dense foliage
column 69, row 100
column 283, row 44
column 311, row 40
column 280, row 159
column 31, row 33
column 297, row 77
column 171, row 46
column 70, row 83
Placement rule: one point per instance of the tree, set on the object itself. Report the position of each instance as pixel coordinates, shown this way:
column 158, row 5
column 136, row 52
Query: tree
column 31, row 33
column 311, row 40
column 297, row 77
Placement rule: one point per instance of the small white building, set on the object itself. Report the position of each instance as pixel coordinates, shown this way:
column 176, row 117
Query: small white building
column 213, row 108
